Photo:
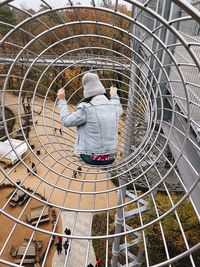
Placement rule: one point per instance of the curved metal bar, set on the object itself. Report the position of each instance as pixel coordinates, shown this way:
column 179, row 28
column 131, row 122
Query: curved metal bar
column 145, row 88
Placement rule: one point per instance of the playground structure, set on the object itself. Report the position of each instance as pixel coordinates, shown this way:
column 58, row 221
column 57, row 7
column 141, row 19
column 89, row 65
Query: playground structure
column 151, row 51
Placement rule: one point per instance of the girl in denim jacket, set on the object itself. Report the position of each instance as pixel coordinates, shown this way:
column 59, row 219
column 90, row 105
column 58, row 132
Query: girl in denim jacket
column 96, row 119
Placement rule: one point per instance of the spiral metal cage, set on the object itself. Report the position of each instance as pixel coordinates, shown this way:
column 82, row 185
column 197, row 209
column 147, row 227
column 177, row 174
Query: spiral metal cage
column 143, row 210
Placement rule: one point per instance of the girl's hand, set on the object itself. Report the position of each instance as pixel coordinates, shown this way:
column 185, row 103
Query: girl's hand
column 61, row 94
column 113, row 90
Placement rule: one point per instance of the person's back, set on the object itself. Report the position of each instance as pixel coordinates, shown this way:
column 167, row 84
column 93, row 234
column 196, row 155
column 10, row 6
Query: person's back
column 96, row 120
column 99, row 135
column 66, row 245
column 59, row 247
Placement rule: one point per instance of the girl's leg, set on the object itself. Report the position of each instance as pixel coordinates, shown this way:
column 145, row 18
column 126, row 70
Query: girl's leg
column 86, row 159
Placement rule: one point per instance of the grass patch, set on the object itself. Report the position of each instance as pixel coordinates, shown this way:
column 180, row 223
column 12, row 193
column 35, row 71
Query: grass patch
column 173, row 236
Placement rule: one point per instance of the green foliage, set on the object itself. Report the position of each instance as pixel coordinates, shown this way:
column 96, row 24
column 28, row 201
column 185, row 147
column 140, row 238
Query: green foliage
column 43, row 7
column 7, row 15
column 172, row 231
column 99, row 227
column 53, row 16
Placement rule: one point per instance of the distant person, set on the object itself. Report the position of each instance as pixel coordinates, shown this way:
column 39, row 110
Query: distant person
column 60, row 239
column 33, row 167
column 98, row 262
column 90, row 265
column 79, row 169
column 59, row 247
column 18, row 182
column 74, row 173
column 67, row 232
column 96, row 119
column 66, row 245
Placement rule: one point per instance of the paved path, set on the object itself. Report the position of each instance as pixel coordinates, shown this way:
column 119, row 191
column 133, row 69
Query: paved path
column 78, row 248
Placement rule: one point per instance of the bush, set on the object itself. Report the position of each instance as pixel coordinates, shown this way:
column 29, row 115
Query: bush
column 99, row 226
column 172, row 232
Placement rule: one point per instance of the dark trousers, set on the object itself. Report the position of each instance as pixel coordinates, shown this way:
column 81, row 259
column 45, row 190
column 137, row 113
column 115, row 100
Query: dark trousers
column 87, row 159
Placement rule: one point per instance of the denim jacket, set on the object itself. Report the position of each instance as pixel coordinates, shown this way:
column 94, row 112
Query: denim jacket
column 96, row 122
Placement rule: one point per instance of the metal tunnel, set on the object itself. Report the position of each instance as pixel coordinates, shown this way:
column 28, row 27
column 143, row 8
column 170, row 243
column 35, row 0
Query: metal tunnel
column 144, row 209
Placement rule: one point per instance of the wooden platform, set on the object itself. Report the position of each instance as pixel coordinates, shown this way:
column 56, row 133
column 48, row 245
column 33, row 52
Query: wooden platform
column 36, row 213
column 18, row 198
column 30, row 251
column 25, row 261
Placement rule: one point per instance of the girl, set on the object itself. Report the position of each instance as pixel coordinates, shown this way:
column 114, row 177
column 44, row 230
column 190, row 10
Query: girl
column 96, row 119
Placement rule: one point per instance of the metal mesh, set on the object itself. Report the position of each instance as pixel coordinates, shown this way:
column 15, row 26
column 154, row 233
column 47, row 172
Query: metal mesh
column 127, row 212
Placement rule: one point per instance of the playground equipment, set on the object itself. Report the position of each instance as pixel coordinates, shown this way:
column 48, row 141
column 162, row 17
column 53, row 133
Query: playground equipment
column 150, row 51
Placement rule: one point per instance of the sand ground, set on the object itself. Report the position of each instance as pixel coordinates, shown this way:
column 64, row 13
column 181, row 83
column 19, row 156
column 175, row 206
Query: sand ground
column 20, row 232
column 54, row 166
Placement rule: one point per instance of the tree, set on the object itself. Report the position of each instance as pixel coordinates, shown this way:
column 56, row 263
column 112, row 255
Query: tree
column 53, row 16
column 70, row 75
column 7, row 15
column 106, row 3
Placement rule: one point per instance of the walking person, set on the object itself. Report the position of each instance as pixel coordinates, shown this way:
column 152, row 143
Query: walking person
column 33, row 167
column 18, row 182
column 66, row 245
column 59, row 247
column 60, row 239
column 79, row 170
column 74, row 173
column 96, row 119
column 67, row 232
